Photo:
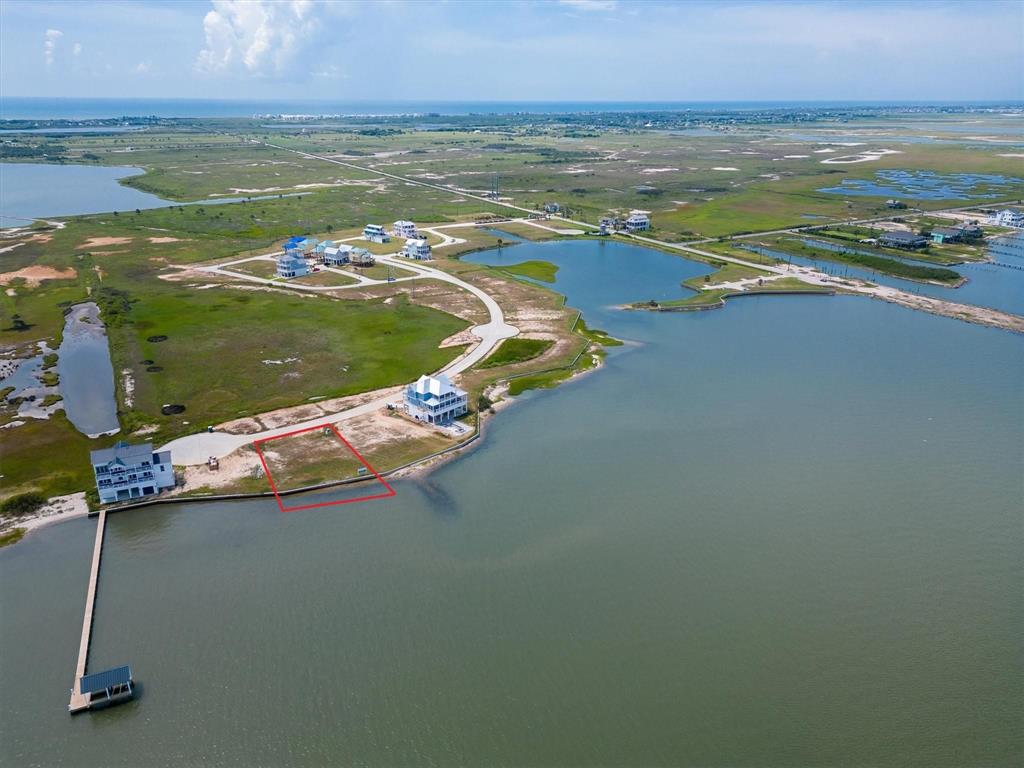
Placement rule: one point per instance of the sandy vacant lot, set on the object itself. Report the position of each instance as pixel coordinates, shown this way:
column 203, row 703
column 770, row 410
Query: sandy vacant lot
column 94, row 242
column 33, row 276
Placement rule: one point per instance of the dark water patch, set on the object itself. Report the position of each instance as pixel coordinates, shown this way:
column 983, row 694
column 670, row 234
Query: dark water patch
column 156, row 339
column 86, row 373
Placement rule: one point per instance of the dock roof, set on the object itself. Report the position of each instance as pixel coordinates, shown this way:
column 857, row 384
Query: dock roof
column 106, row 679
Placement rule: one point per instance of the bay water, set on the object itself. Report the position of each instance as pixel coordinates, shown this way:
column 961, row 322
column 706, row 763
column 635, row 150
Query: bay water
column 787, row 532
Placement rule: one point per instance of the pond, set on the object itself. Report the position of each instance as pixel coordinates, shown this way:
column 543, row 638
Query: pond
column 927, row 185
column 86, row 373
column 631, row 273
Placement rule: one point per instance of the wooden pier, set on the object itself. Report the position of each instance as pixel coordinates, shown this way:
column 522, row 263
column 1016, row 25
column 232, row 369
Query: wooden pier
column 80, row 701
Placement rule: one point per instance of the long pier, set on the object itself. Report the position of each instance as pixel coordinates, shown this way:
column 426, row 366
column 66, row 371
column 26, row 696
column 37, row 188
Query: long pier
column 80, row 701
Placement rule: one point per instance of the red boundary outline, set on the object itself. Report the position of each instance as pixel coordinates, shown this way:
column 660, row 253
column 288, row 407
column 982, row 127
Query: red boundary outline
column 256, row 444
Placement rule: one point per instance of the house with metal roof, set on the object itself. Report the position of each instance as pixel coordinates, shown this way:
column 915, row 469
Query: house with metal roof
column 417, row 249
column 971, row 231
column 900, row 239
column 321, row 247
column 125, row 471
column 1007, row 218
column 405, row 229
column 291, row 264
column 375, row 234
column 361, row 257
column 435, row 400
column 337, row 255
column 947, row 235
column 638, row 221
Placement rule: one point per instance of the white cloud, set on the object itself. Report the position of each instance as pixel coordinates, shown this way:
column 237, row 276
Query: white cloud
column 142, row 68
column 590, row 5
column 77, row 49
column 50, row 40
column 262, row 38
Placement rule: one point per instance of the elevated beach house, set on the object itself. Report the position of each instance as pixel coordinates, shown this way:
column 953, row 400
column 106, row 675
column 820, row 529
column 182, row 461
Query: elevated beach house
column 321, row 248
column 1008, row 218
column 638, row 221
column 361, row 257
column 405, row 229
column 417, row 249
column 291, row 264
column 947, row 235
column 375, row 233
column 126, row 471
column 435, row 400
column 336, row 255
column 906, row 240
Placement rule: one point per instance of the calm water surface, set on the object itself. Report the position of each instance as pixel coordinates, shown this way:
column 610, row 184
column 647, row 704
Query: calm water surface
column 35, row 190
column 928, row 185
column 988, row 285
column 784, row 533
column 86, row 373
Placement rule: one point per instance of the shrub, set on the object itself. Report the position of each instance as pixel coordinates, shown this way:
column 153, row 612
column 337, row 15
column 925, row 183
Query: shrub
column 22, row 504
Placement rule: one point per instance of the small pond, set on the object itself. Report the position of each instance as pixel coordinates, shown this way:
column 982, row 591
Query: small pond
column 629, row 272
column 86, row 373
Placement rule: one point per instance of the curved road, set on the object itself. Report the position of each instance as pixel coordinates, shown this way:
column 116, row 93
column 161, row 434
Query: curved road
column 197, row 448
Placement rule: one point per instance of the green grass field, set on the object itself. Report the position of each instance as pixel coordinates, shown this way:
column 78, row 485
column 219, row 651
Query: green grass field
column 544, row 271
column 215, row 358
column 517, row 350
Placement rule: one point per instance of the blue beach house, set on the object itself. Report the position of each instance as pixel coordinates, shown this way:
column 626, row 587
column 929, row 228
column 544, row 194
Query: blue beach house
column 291, row 264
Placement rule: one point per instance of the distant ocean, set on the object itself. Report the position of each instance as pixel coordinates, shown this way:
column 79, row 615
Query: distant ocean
column 35, row 108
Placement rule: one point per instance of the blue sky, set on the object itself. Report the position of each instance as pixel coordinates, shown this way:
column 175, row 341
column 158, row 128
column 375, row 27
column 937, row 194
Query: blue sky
column 515, row 50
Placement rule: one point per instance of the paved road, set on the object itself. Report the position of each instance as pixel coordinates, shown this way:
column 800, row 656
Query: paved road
column 197, row 448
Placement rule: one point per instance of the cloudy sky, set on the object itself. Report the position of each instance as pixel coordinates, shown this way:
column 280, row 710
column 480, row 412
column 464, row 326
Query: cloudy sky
column 514, row 50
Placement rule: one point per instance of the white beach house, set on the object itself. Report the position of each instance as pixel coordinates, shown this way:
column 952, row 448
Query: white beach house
column 638, row 221
column 405, row 229
column 435, row 400
column 417, row 249
column 1008, row 218
column 375, row 234
column 127, row 471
